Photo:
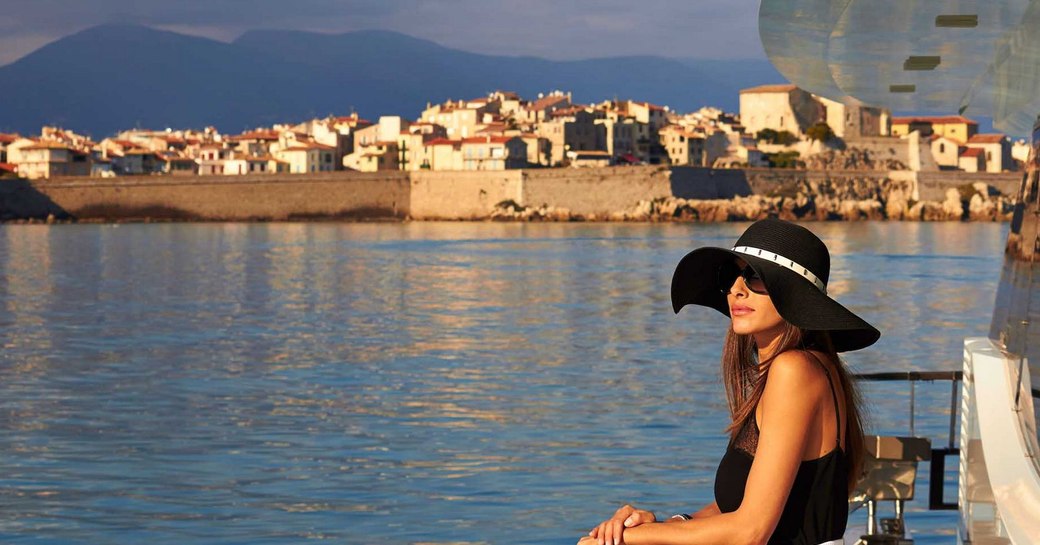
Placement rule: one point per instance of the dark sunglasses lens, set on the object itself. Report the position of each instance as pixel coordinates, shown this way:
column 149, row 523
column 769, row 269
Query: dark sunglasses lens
column 727, row 274
column 753, row 281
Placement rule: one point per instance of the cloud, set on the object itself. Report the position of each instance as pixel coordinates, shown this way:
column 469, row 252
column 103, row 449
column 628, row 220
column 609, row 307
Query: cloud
column 545, row 28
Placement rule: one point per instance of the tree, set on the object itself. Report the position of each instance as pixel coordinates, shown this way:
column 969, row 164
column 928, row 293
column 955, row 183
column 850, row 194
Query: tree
column 820, row 132
column 770, row 136
column 767, row 135
column 784, row 159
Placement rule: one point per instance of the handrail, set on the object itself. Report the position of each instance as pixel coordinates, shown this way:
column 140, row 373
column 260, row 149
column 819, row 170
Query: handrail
column 911, row 375
column 891, row 376
column 939, row 455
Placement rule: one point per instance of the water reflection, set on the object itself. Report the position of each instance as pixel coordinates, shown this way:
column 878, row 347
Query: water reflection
column 234, row 383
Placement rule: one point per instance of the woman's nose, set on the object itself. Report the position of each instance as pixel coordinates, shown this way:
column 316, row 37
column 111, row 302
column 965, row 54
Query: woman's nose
column 739, row 288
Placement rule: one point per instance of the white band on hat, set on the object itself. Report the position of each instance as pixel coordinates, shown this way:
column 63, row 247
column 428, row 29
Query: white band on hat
column 783, row 262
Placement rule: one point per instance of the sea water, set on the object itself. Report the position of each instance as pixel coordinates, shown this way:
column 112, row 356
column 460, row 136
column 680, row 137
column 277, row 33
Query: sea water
column 412, row 383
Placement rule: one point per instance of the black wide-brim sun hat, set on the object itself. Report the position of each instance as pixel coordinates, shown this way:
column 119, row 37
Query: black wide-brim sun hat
column 793, row 263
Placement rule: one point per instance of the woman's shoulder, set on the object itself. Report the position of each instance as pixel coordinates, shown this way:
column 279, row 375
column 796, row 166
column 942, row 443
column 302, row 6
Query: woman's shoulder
column 799, row 369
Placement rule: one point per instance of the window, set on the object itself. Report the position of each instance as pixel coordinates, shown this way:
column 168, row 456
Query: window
column 942, row 147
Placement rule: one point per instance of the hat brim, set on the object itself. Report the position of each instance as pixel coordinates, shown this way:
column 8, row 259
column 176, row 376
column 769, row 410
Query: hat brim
column 796, row 299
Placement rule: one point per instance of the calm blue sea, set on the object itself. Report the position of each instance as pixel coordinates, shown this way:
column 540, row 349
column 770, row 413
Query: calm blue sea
column 409, row 383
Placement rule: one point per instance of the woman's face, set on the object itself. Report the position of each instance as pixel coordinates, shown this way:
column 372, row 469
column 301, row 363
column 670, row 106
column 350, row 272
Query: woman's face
column 751, row 313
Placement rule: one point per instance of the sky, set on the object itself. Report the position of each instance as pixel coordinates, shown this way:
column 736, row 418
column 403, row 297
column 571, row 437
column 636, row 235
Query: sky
column 553, row 29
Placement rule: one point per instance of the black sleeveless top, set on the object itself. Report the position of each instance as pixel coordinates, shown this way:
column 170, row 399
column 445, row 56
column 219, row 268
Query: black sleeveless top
column 817, row 507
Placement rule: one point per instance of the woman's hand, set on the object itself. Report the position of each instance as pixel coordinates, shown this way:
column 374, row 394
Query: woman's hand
column 609, row 532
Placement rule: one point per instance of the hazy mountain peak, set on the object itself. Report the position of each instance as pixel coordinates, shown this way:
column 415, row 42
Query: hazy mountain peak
column 116, row 76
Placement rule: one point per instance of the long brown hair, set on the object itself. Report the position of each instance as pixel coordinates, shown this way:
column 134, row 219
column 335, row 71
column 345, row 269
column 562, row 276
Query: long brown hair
column 744, row 378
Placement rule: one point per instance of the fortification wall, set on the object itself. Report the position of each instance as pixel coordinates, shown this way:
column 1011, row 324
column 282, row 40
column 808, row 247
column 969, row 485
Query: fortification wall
column 932, row 186
column 784, row 182
column 594, row 191
column 224, row 198
column 462, row 195
column 583, row 193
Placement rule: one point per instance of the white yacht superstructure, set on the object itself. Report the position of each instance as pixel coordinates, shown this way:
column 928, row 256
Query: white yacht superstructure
column 970, row 57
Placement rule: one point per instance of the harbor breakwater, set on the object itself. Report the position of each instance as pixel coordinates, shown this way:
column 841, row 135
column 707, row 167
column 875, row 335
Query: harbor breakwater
column 649, row 193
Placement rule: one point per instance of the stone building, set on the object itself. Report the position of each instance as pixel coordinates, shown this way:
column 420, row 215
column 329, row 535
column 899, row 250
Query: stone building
column 573, row 129
column 957, row 128
column 851, row 121
column 997, row 148
column 780, row 108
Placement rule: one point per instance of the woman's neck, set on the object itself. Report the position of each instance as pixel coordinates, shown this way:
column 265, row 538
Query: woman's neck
column 768, row 343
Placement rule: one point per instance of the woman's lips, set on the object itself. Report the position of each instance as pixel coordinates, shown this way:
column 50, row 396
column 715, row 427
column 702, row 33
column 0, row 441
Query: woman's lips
column 740, row 310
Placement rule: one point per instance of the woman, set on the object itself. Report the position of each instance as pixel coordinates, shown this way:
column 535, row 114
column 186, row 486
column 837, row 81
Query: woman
column 796, row 439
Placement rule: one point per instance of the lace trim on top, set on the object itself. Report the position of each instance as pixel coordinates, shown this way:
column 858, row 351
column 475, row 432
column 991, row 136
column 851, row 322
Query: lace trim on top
column 747, row 437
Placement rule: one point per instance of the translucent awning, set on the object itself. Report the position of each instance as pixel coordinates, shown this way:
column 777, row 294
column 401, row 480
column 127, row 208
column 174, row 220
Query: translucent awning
column 975, row 57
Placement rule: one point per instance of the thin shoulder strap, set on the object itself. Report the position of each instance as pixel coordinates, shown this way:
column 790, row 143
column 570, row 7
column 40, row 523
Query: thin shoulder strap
column 834, row 397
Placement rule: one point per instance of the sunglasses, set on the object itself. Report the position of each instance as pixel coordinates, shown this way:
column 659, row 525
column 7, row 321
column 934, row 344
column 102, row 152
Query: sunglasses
column 728, row 273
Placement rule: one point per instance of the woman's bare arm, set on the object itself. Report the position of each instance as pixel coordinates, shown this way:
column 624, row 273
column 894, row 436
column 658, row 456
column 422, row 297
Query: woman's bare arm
column 709, row 510
column 794, row 388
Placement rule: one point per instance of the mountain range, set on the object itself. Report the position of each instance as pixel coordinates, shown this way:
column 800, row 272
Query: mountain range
column 114, row 77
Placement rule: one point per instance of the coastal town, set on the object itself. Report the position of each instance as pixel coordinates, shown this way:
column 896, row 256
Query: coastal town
column 779, row 126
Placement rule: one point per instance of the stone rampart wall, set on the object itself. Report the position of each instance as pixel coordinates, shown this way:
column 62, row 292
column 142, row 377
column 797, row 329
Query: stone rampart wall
column 594, row 191
column 598, row 193
column 462, row 195
column 221, row 198
column 933, row 185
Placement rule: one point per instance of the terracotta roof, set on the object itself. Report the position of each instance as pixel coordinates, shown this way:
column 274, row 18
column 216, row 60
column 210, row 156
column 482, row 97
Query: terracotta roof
column 546, row 102
column 972, row 152
column 986, row 139
column 304, row 146
column 9, row 167
column 652, row 106
column 776, row 88
column 47, row 145
column 8, row 138
column 352, row 119
column 487, row 140
column 568, row 111
column 123, row 143
column 493, row 127
column 442, row 142
column 942, row 120
column 255, row 135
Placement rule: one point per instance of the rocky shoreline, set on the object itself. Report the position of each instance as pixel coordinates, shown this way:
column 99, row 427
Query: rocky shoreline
column 867, row 200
